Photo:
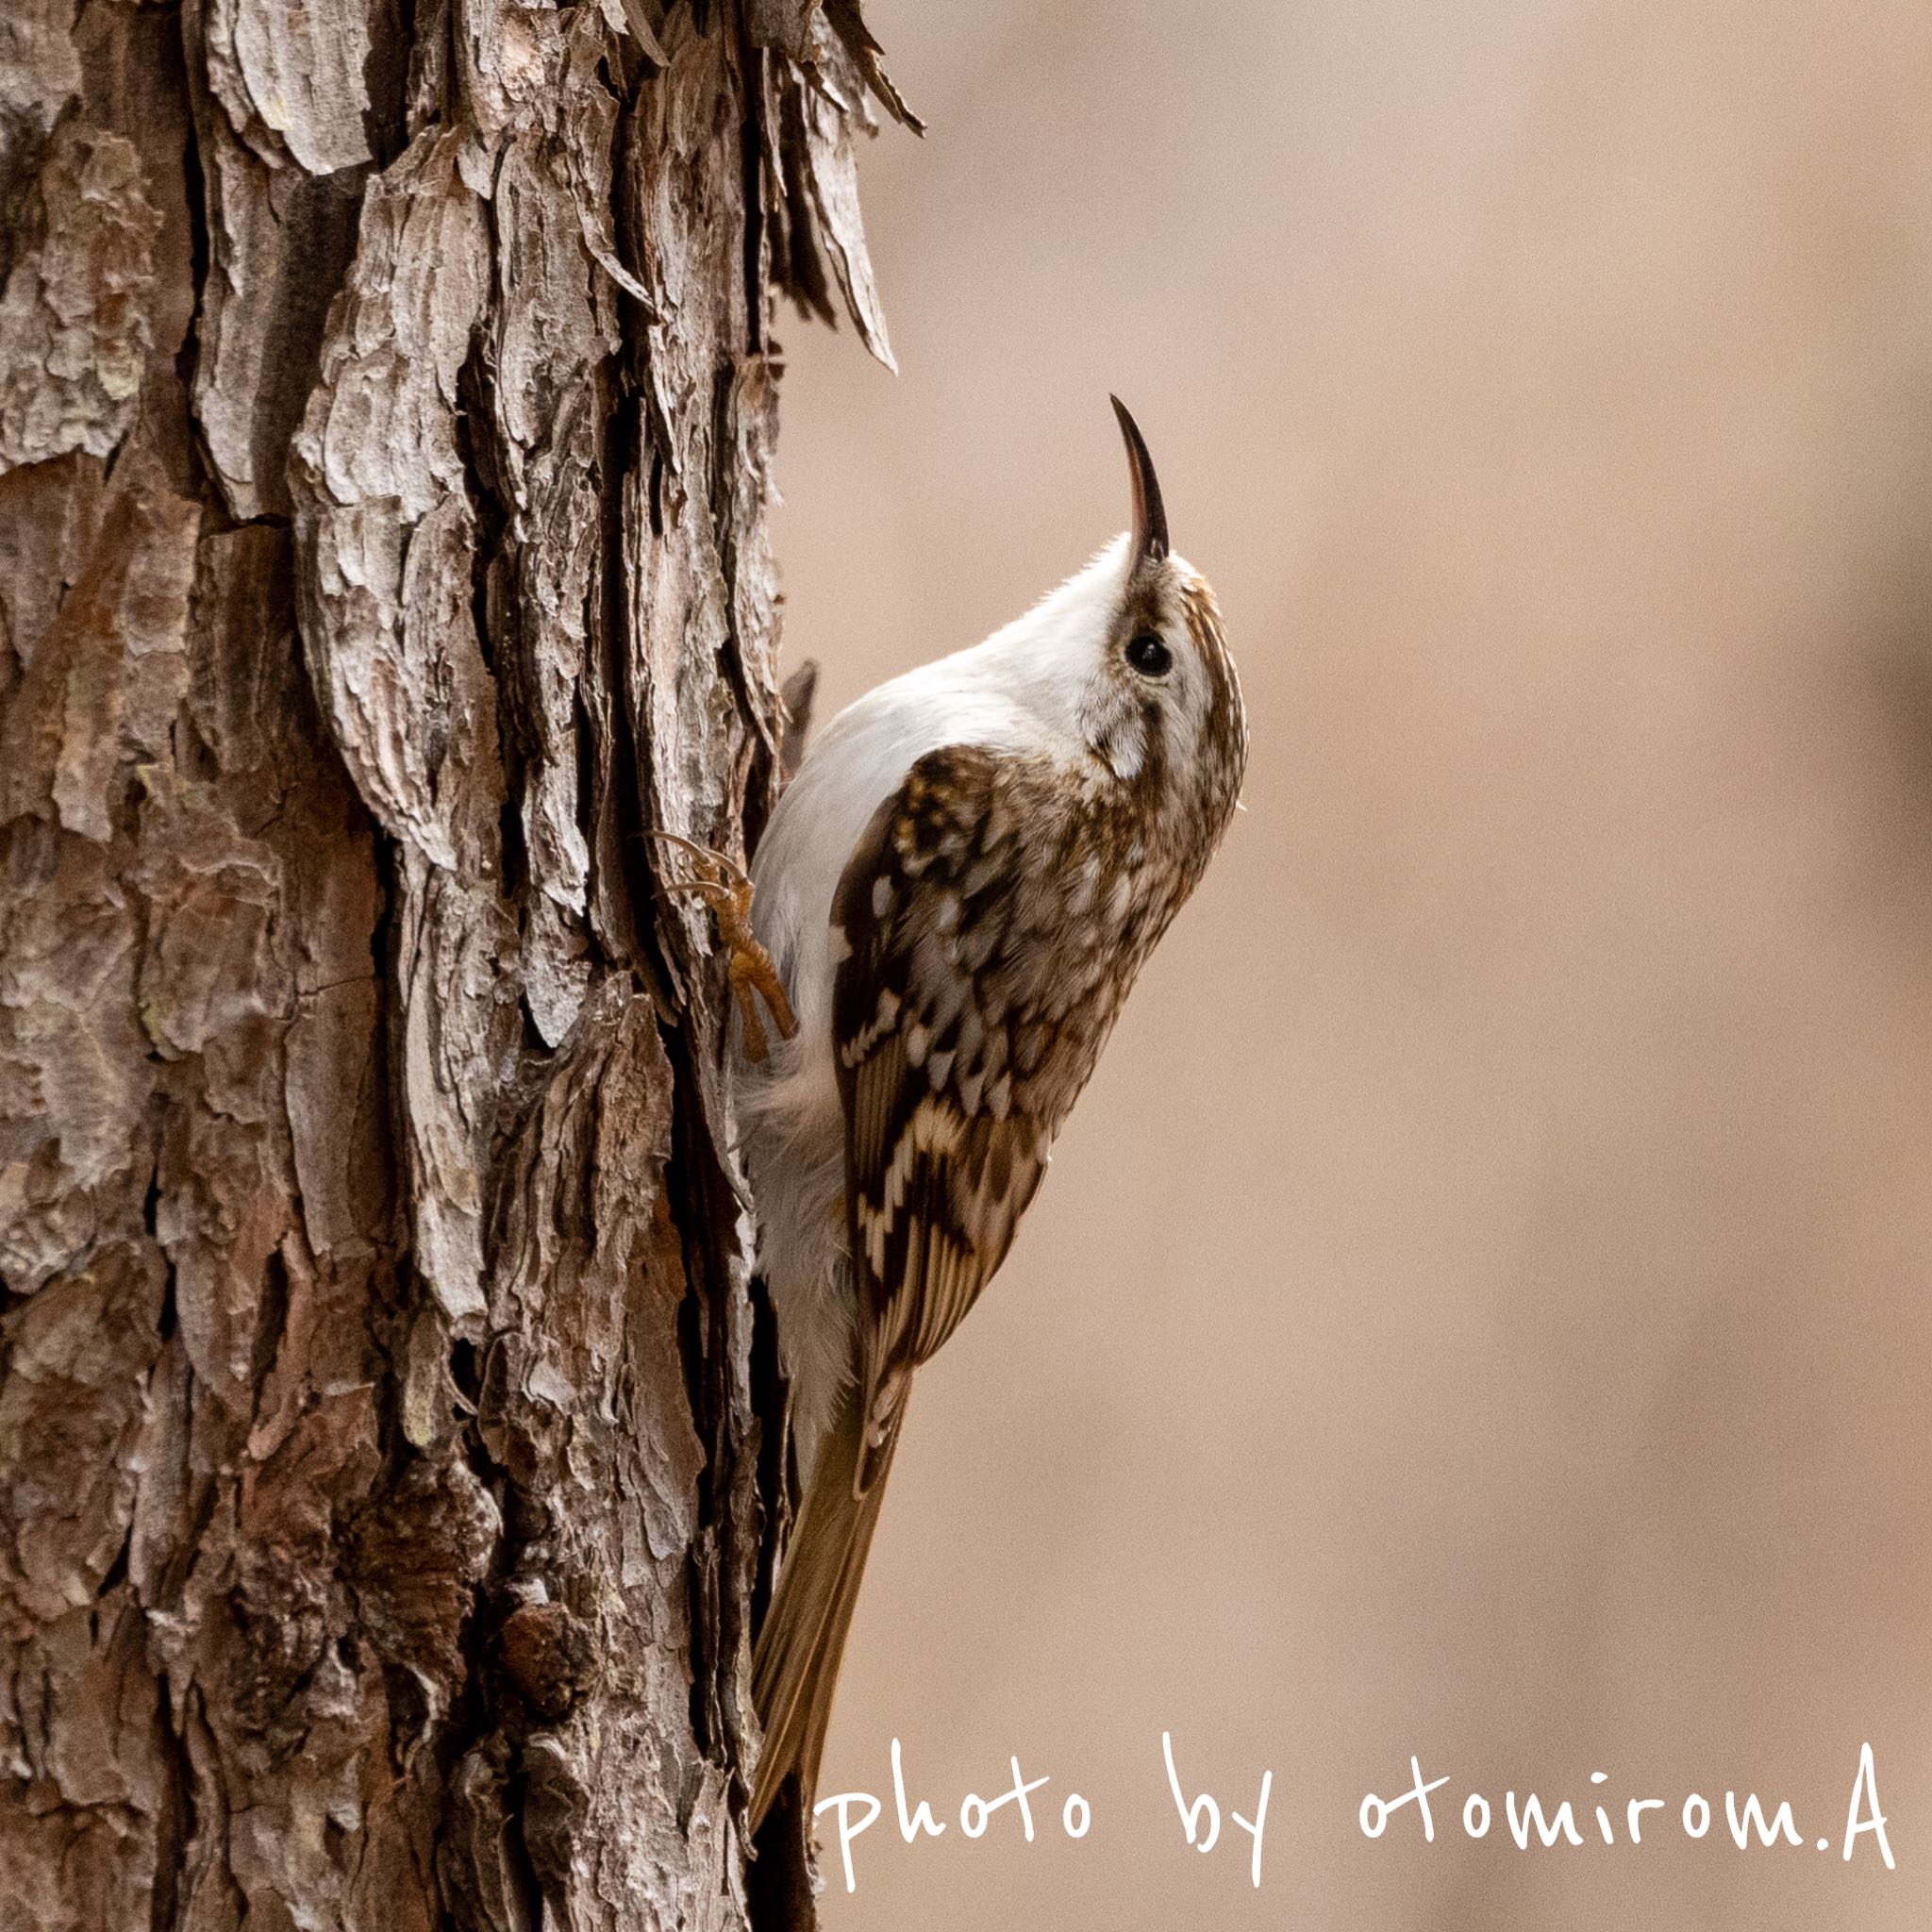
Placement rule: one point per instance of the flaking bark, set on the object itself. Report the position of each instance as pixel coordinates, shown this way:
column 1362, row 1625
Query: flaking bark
column 386, row 407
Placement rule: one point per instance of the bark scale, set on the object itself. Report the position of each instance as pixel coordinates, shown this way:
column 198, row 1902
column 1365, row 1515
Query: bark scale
column 386, row 407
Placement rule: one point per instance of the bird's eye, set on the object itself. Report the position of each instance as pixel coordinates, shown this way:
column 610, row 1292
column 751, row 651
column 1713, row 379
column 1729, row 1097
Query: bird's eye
column 1149, row 656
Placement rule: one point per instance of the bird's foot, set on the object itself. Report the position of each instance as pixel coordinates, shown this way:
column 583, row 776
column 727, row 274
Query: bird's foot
column 724, row 888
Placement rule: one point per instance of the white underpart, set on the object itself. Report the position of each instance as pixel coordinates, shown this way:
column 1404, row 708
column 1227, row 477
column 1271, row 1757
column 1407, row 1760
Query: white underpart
column 1022, row 690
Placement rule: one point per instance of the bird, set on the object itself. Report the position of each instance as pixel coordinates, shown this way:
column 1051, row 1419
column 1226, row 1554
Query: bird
column 952, row 898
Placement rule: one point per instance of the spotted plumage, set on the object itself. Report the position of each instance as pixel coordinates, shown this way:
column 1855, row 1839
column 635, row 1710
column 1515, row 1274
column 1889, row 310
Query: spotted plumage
column 958, row 890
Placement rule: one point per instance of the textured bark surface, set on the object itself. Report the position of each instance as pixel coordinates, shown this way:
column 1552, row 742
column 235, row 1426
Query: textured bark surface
column 387, row 406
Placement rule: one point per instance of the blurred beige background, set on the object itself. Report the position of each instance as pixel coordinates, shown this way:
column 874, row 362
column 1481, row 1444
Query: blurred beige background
column 1479, row 1308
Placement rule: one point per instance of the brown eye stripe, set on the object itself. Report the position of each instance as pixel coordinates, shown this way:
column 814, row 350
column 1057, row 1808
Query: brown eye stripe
column 1227, row 717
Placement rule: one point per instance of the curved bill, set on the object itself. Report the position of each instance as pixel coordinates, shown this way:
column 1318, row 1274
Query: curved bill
column 1150, row 515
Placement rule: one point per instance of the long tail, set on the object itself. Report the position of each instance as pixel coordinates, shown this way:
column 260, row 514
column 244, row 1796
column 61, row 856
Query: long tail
column 796, row 1663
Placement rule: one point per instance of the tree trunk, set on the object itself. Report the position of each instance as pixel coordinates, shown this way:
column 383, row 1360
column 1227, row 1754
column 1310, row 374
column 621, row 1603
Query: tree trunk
column 387, row 406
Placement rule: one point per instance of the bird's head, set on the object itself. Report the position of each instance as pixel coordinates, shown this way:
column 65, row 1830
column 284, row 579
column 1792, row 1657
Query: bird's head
column 1125, row 664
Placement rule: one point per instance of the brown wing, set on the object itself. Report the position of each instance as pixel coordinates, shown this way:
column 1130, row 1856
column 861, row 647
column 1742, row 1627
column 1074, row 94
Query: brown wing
column 942, row 1153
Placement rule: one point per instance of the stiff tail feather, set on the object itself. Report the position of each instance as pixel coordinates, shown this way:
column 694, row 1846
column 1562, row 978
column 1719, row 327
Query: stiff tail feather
column 795, row 1666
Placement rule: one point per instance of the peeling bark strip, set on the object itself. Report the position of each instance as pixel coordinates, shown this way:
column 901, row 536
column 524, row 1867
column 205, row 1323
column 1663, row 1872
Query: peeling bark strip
column 387, row 408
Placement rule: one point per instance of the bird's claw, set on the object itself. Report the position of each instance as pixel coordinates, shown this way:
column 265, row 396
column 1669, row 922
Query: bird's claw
column 725, row 888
